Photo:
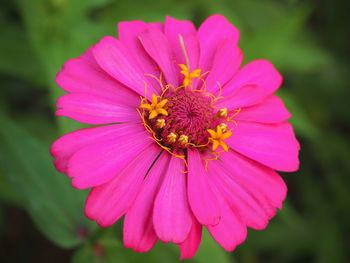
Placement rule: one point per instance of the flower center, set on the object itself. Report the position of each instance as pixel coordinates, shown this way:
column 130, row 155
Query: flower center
column 189, row 116
column 182, row 117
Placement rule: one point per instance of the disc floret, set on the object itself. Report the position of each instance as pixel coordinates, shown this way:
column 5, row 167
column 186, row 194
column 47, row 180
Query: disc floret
column 188, row 76
column 217, row 138
column 184, row 117
column 155, row 108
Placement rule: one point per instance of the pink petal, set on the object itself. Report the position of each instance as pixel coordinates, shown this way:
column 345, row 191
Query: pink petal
column 193, row 51
column 204, row 203
column 138, row 223
column 176, row 28
column 84, row 75
column 270, row 110
column 230, row 231
column 129, row 33
column 258, row 72
column 261, row 182
column 213, row 30
column 172, row 217
column 274, row 145
column 157, row 25
column 98, row 163
column 63, row 148
column 158, row 47
column 90, row 109
column 192, row 48
column 244, row 204
column 118, row 61
column 190, row 246
column 227, row 60
column 108, row 202
column 245, row 96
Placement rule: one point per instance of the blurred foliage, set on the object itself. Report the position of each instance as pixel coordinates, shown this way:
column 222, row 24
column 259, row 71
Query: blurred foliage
column 307, row 42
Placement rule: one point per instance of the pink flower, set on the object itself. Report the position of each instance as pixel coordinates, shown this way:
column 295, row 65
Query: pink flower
column 193, row 139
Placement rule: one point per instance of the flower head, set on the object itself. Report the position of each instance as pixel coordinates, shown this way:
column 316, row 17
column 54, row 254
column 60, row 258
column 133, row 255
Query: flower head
column 193, row 139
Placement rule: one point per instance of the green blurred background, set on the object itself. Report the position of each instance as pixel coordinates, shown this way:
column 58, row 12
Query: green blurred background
column 41, row 216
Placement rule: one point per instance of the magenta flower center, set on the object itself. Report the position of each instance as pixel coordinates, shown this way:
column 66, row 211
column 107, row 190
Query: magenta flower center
column 183, row 117
column 190, row 115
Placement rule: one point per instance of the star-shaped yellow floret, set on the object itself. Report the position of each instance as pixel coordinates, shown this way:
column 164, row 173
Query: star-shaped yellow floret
column 155, row 108
column 217, row 137
column 188, row 76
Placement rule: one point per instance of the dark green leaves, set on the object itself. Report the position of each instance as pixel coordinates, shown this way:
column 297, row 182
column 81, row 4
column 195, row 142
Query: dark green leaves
column 55, row 207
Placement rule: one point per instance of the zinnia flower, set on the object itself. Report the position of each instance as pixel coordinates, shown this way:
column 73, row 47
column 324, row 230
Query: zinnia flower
column 190, row 137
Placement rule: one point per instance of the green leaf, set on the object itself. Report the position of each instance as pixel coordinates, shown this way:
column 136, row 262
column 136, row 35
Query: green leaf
column 7, row 192
column 17, row 57
column 55, row 207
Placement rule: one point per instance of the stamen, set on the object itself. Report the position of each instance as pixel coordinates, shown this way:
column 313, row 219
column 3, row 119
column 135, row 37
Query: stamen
column 189, row 118
column 160, row 123
column 159, row 80
column 217, row 138
column 183, row 140
column 230, row 118
column 171, row 137
column 223, row 127
column 236, row 112
column 182, row 157
column 222, row 113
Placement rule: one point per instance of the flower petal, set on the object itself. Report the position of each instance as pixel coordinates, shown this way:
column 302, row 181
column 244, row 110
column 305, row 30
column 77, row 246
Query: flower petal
column 173, row 30
column 138, row 223
column 90, row 109
column 245, row 96
column 274, row 145
column 248, row 203
column 261, row 182
column 129, row 32
column 172, row 217
column 192, row 49
column 98, row 163
column 115, row 58
column 108, row 202
column 158, row 47
column 212, row 31
column 227, row 60
column 174, row 27
column 230, row 231
column 260, row 73
column 190, row 246
column 270, row 110
column 64, row 148
column 84, row 75
column 204, row 203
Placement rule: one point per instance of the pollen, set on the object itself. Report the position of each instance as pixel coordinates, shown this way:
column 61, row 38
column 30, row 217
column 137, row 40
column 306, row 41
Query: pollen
column 155, row 108
column 217, row 138
column 183, row 140
column 223, row 127
column 160, row 123
column 222, row 113
column 188, row 76
column 172, row 137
